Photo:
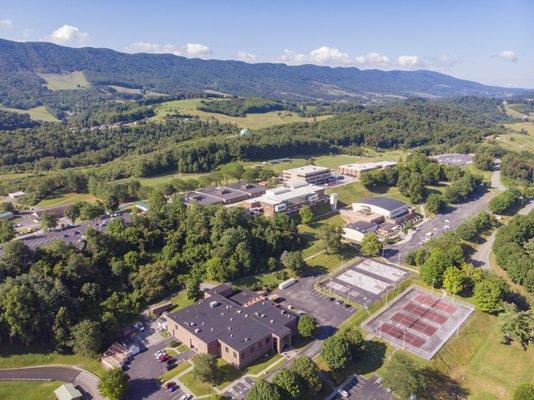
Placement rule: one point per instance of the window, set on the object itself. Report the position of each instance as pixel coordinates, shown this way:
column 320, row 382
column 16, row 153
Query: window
column 268, row 339
column 235, row 354
column 259, row 344
column 226, row 349
column 252, row 349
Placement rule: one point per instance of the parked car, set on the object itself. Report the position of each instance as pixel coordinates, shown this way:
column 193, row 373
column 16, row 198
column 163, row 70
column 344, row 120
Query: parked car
column 138, row 326
column 163, row 358
column 172, row 386
column 343, row 393
column 159, row 353
column 186, row 397
column 170, row 366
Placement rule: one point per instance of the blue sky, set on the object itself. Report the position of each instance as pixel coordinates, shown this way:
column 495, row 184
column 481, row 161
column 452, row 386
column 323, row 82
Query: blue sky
column 488, row 41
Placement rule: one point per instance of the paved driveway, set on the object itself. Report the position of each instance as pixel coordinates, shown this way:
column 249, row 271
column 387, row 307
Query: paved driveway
column 87, row 382
column 436, row 226
column 144, row 371
column 303, row 296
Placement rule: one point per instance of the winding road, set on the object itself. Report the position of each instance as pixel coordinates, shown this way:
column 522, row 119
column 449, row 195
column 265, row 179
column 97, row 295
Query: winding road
column 86, row 381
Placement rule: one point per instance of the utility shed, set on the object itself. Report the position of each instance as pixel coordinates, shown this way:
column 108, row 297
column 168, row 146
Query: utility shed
column 68, row 392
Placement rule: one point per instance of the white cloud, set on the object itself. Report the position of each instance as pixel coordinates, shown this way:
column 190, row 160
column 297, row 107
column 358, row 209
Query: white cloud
column 69, row 34
column 508, row 55
column 409, row 61
column 189, row 49
column 373, row 59
column 444, row 62
column 244, row 56
column 6, row 23
column 323, row 55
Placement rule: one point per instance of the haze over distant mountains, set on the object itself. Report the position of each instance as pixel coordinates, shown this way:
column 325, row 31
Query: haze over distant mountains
column 165, row 73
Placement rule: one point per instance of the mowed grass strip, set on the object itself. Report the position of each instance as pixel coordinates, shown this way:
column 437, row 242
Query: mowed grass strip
column 67, row 198
column 28, row 390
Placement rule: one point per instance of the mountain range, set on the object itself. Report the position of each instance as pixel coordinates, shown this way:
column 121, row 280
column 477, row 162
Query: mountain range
column 21, row 62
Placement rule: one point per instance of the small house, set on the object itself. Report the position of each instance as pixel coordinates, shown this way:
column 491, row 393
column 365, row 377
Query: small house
column 68, row 391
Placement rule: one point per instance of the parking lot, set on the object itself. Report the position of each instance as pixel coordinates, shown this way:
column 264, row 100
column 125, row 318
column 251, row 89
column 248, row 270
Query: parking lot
column 239, row 390
column 365, row 282
column 454, row 159
column 302, row 296
column 360, row 388
column 419, row 321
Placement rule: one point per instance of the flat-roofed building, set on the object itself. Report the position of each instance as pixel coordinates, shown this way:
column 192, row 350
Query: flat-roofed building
column 355, row 169
column 310, row 174
column 228, row 194
column 355, row 231
column 237, row 326
column 287, row 199
column 382, row 205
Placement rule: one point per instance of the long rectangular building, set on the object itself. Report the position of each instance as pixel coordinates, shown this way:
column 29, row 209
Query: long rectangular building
column 228, row 194
column 312, row 174
column 237, row 326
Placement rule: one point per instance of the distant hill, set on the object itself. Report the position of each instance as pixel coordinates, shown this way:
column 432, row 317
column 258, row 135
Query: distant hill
column 21, row 62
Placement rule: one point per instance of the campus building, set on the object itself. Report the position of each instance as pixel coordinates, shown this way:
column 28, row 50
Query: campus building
column 355, row 231
column 287, row 199
column 311, row 174
column 228, row 194
column 385, row 206
column 355, row 170
column 237, row 326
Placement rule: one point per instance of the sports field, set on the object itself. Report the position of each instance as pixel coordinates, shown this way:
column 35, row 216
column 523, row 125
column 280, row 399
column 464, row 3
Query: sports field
column 251, row 121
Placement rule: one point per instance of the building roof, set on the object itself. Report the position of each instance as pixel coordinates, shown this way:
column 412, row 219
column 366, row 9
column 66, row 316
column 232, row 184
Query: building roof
column 142, row 205
column 231, row 193
column 7, row 214
column 362, row 226
column 369, row 165
column 307, row 169
column 220, row 318
column 67, row 391
column 387, row 203
column 283, row 194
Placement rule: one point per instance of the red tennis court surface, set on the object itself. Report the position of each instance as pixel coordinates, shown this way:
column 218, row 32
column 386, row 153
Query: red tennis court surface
column 405, row 336
column 419, row 321
column 425, row 313
column 414, row 323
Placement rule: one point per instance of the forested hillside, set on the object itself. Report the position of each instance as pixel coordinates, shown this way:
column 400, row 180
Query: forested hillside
column 21, row 87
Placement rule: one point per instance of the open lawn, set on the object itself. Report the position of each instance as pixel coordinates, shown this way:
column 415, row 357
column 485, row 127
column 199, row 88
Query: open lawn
column 251, row 121
column 227, row 373
column 262, row 364
column 13, row 356
column 66, row 198
column 180, row 301
column 74, row 80
column 28, row 390
column 487, row 368
column 38, row 113
column 516, row 141
column 356, row 191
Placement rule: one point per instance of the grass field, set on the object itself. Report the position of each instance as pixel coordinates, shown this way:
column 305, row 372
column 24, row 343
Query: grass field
column 14, row 356
column 356, row 191
column 517, row 141
column 175, row 371
column 38, row 113
column 66, row 198
column 251, row 121
column 29, row 390
column 72, row 81
column 227, row 373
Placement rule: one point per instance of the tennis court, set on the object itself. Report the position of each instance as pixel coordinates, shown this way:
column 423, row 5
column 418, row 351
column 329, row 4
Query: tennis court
column 419, row 321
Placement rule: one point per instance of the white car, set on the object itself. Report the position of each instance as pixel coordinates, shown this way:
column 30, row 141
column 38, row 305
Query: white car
column 343, row 393
column 186, row 397
column 159, row 353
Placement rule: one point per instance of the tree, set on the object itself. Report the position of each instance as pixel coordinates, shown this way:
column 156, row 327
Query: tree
column 454, row 280
column 62, row 327
column 288, row 383
column 264, row 390
column 112, row 203
column 435, row 203
column 295, row 262
column 371, row 246
column 403, row 377
column 434, row 267
column 113, row 384
column 7, row 232
column 515, row 325
column 483, row 161
column 192, row 288
column 336, row 352
column 354, row 339
column 332, row 237
column 205, row 368
column 489, row 293
column 86, row 338
column 48, row 221
column 17, row 258
column 308, row 371
column 73, row 211
column 524, row 391
column 306, row 215
column 307, row 326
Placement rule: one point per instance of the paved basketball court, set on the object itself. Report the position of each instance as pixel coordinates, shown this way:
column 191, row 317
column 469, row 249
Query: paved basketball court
column 365, row 282
column 419, row 321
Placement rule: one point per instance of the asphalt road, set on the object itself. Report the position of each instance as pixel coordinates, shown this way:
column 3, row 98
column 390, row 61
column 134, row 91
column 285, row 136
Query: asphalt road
column 436, row 226
column 86, row 381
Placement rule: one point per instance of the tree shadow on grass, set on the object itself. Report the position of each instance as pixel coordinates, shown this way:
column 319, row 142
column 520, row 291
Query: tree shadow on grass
column 372, row 359
column 442, row 387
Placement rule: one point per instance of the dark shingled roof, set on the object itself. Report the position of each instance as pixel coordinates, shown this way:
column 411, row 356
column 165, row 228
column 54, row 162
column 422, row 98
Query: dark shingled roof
column 386, row 203
column 362, row 226
column 232, row 324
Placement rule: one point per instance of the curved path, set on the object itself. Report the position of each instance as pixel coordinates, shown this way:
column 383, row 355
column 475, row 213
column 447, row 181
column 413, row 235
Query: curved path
column 86, row 381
